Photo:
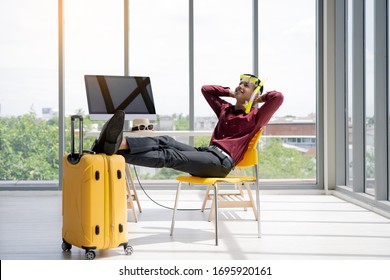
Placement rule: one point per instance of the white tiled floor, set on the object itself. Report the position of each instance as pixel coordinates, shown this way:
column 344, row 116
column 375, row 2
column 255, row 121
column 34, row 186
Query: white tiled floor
column 294, row 227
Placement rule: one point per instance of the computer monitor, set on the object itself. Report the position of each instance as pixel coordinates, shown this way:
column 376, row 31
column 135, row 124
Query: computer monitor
column 106, row 94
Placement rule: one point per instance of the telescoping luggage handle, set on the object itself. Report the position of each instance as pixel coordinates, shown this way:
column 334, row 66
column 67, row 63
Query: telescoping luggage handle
column 75, row 157
column 72, row 120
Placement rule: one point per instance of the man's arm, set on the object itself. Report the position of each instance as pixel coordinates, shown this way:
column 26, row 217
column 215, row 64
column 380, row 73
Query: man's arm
column 258, row 99
column 212, row 95
column 231, row 93
column 272, row 101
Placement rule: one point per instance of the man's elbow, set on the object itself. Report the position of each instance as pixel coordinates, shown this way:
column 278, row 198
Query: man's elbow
column 276, row 96
column 205, row 88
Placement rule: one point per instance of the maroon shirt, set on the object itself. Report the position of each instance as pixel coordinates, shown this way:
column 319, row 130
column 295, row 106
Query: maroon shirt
column 235, row 128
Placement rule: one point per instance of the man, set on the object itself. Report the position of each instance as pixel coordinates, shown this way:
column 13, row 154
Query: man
column 230, row 139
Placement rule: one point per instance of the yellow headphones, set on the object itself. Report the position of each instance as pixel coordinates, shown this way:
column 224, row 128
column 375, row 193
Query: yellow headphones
column 259, row 85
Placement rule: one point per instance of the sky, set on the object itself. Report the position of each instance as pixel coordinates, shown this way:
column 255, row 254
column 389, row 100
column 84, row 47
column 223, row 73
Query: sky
column 158, row 48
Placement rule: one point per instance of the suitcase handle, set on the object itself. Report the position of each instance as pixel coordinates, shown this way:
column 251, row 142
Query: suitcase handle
column 76, row 157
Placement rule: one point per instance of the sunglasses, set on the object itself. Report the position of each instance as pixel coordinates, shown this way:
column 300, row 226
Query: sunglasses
column 142, row 127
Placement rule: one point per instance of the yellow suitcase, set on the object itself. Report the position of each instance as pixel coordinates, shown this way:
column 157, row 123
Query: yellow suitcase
column 94, row 206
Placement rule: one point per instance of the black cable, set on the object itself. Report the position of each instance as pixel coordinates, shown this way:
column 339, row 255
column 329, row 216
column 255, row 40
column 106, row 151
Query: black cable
column 170, row 208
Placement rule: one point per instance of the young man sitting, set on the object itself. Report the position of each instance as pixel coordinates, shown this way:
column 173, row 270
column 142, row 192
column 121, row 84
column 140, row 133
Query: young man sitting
column 236, row 126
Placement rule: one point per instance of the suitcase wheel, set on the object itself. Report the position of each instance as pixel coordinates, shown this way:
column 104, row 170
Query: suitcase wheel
column 66, row 246
column 128, row 249
column 89, row 255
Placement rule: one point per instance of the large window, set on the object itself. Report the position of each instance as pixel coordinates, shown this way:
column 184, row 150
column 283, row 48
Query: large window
column 349, row 83
column 28, row 90
column 159, row 47
column 222, row 46
column 369, row 97
column 93, row 45
column 367, row 106
column 287, row 59
column 388, row 88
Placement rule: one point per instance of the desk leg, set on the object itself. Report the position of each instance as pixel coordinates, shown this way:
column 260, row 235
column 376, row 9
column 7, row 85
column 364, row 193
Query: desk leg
column 131, row 194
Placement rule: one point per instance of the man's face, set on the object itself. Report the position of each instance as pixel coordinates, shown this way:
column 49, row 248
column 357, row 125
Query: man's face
column 244, row 90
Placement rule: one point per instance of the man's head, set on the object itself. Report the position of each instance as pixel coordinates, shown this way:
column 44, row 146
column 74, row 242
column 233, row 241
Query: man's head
column 254, row 80
column 249, row 85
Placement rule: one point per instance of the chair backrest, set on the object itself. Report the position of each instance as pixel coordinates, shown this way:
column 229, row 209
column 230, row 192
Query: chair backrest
column 251, row 155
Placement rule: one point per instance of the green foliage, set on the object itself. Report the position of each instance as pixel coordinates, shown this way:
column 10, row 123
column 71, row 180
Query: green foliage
column 29, row 151
column 29, row 148
column 181, row 123
column 202, row 141
column 279, row 162
column 167, row 173
column 87, row 141
column 162, row 174
column 370, row 163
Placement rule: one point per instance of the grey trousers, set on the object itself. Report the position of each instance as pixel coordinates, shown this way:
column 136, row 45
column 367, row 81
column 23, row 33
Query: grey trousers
column 164, row 151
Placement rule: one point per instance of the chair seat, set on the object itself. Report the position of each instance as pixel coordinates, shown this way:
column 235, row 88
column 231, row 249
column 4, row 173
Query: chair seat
column 212, row 181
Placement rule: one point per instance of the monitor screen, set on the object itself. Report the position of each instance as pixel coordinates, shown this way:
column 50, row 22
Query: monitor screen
column 106, row 94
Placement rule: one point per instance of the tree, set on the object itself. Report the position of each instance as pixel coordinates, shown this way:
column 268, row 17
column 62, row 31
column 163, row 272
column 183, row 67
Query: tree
column 182, row 123
column 87, row 126
column 278, row 162
column 202, row 141
column 29, row 148
column 29, row 151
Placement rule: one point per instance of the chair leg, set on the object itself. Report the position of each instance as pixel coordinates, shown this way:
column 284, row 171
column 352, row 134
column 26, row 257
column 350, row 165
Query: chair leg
column 216, row 212
column 207, row 196
column 258, row 201
column 248, row 190
column 212, row 207
column 175, row 208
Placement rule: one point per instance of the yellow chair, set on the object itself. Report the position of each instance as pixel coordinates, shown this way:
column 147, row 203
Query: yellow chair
column 250, row 159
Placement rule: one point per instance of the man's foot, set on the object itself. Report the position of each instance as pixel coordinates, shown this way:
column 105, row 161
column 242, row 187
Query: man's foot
column 111, row 135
